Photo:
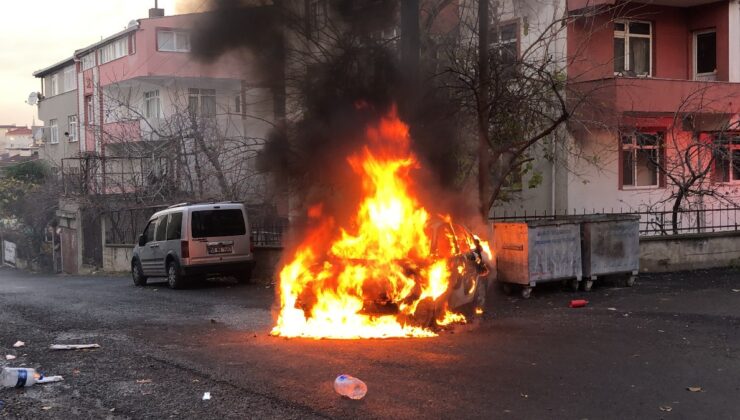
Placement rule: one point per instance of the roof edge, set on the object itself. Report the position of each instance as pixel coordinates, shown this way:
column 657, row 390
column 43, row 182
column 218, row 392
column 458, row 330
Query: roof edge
column 53, row 67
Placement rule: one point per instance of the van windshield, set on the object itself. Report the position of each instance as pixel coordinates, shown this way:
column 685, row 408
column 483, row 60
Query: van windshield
column 208, row 223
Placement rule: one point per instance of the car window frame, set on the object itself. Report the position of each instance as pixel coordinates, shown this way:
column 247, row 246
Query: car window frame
column 169, row 221
column 439, row 234
column 164, row 217
column 195, row 216
column 151, row 224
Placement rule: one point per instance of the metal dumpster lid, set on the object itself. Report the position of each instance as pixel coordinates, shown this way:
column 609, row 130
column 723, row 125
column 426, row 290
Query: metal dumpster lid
column 573, row 220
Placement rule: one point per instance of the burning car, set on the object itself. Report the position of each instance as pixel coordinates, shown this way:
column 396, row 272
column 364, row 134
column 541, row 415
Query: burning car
column 394, row 269
column 467, row 260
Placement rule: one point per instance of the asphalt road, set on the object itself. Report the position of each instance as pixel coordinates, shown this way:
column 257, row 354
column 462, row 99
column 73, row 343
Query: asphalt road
column 631, row 353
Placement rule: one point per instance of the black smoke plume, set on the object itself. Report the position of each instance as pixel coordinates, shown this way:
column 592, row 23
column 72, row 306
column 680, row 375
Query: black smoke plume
column 360, row 68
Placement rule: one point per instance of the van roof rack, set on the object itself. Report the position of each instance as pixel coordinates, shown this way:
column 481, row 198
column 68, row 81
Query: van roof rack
column 205, row 202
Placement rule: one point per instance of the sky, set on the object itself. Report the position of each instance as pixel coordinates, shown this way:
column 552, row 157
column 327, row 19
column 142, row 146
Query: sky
column 35, row 34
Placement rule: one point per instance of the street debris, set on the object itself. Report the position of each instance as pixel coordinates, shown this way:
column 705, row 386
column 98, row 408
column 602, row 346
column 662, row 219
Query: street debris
column 24, row 377
column 46, row 408
column 578, row 303
column 2, row 404
column 143, row 381
column 694, row 389
column 523, row 395
column 9, row 357
column 611, row 309
column 350, row 387
column 206, row 396
column 736, row 290
column 73, row 346
column 666, row 408
column 19, row 344
column 49, row 379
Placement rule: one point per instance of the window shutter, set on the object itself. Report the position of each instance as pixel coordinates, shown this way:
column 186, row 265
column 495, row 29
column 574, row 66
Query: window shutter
column 662, row 178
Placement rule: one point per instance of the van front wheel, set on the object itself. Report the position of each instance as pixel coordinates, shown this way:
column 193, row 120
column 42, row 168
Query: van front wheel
column 138, row 274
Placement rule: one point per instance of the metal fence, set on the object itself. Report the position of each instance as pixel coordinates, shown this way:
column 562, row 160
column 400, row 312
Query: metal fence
column 268, row 233
column 653, row 222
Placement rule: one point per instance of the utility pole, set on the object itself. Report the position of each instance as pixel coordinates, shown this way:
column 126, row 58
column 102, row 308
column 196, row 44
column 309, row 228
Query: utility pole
column 410, row 46
column 484, row 153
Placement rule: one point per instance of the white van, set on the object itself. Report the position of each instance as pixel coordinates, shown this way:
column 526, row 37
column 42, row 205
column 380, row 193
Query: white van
column 188, row 241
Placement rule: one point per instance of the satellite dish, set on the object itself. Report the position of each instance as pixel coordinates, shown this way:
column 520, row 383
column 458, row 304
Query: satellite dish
column 33, row 98
column 133, row 23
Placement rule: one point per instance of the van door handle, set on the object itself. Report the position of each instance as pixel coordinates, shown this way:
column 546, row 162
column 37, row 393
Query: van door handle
column 154, row 246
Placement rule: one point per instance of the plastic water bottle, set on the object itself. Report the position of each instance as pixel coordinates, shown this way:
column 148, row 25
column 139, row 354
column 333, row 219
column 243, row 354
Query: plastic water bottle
column 18, row 377
column 350, row 387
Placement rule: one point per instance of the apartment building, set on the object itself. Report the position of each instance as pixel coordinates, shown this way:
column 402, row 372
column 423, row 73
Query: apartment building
column 57, row 107
column 137, row 117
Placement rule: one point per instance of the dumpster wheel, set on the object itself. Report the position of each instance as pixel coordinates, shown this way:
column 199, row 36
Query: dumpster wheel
column 587, row 285
column 507, row 289
column 526, row 292
column 574, row 284
column 630, row 281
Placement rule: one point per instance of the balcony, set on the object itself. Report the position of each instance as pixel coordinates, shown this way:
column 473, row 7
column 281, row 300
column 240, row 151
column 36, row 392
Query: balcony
column 623, row 100
column 574, row 5
column 142, row 177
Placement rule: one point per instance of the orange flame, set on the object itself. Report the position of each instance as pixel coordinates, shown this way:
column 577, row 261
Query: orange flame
column 328, row 290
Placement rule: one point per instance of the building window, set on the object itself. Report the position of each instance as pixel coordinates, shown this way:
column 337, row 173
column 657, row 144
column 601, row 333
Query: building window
column 513, row 181
column 114, row 50
column 89, row 110
column 69, row 79
column 54, row 84
column 727, row 160
column 202, row 102
column 88, row 61
column 174, row 41
column 316, row 16
column 53, row 131
column 72, row 123
column 705, row 55
column 152, row 105
column 504, row 41
column 641, row 157
column 238, row 104
column 633, row 48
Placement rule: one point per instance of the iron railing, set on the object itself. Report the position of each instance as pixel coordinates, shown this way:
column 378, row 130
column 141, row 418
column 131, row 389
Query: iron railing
column 653, row 222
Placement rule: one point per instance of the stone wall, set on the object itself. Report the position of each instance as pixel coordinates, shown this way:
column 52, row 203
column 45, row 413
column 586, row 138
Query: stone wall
column 689, row 252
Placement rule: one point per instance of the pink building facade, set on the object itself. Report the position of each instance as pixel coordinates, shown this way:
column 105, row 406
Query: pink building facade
column 661, row 81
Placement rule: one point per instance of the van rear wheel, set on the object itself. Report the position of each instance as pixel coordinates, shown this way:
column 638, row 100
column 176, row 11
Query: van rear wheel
column 244, row 276
column 175, row 279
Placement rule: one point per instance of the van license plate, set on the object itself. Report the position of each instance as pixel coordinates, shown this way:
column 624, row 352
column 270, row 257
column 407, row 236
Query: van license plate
column 220, row 249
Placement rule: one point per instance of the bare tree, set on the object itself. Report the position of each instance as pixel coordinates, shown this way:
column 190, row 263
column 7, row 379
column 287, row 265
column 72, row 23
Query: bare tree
column 198, row 146
column 518, row 97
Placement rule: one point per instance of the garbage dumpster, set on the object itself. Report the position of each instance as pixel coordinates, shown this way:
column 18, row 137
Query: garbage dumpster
column 611, row 245
column 532, row 252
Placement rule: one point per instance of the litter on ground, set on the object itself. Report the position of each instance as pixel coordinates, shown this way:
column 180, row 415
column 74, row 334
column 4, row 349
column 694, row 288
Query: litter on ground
column 73, row 346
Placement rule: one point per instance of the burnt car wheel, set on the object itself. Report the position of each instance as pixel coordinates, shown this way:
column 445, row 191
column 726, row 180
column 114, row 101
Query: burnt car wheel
column 481, row 292
column 137, row 274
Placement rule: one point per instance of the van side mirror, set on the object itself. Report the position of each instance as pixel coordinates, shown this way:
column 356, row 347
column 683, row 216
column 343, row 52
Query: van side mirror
column 142, row 240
